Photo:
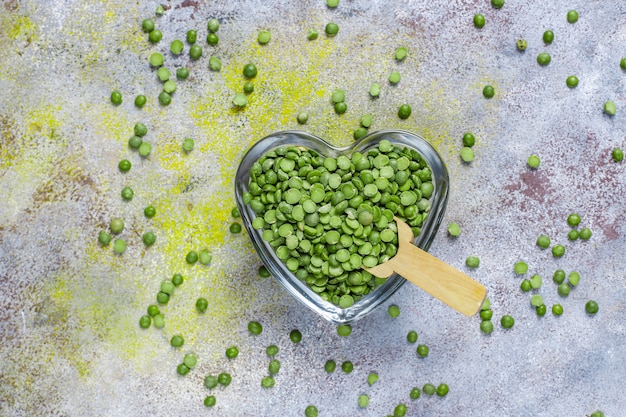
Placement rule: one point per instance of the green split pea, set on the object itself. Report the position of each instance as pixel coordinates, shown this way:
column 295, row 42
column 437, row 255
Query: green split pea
column 326, row 218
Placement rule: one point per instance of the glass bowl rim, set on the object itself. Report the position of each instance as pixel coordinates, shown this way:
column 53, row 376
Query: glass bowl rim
column 278, row 269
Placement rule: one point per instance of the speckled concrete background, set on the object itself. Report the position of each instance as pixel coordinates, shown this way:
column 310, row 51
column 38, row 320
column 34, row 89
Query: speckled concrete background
column 70, row 342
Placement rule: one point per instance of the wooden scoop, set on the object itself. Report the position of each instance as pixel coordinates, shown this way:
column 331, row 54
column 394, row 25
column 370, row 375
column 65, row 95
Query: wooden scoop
column 434, row 276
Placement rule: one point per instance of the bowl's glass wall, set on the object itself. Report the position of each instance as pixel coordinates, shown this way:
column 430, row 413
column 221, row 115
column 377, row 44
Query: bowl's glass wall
column 276, row 267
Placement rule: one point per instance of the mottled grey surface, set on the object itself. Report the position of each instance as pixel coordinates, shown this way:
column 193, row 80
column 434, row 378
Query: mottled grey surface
column 70, row 343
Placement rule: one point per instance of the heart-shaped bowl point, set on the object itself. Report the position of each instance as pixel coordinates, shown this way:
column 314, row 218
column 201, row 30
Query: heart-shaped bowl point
column 298, row 288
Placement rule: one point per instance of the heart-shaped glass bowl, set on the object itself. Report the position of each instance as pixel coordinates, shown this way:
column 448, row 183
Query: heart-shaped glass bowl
column 279, row 270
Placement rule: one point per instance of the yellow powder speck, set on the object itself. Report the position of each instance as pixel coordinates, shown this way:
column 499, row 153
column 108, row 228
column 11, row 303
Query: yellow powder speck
column 20, row 28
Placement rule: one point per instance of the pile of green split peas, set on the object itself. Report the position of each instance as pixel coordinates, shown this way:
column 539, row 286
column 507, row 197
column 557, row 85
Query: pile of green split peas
column 326, row 218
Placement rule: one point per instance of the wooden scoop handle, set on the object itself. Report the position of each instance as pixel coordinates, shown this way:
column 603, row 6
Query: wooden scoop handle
column 434, row 276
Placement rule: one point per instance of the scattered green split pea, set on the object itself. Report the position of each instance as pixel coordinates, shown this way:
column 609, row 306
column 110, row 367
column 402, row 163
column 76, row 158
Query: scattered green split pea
column 401, row 53
column 563, row 290
column 119, row 246
column 394, row 77
column 104, row 238
column 232, row 352
column 213, row 25
column 429, row 389
column 250, row 71
column 572, row 16
column 255, row 328
column 116, row 98
column 116, row 225
column 344, row 330
column 295, row 336
column 525, row 285
column 195, row 52
column 264, row 37
column 573, row 219
column 191, row 257
column 163, row 74
column 372, row 378
column 182, row 73
column 536, row 281
column 454, row 229
column 155, row 36
column 442, row 390
column 176, row 47
column 310, row 411
column 533, row 161
column 190, row 360
column 363, row 400
column 202, row 304
column 541, row 310
column 520, row 268
column 548, row 37
column 404, row 111
column 467, row 154
column 572, row 81
column 359, row 133
column 559, row 276
column 212, row 39
column 543, row 241
column 507, row 321
column 489, row 91
column 331, row 29
column 536, row 300
column 422, row 351
column 399, row 411
column 188, row 144
column 479, row 20
column 558, row 251
column 544, row 58
column 472, row 262
column 610, row 108
column 149, row 238
column 240, row 100
column 215, row 64
column 127, row 193
column 591, row 307
column 486, row 326
column 469, row 139
column 585, row 233
column 156, row 59
column 573, row 278
column 375, row 90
